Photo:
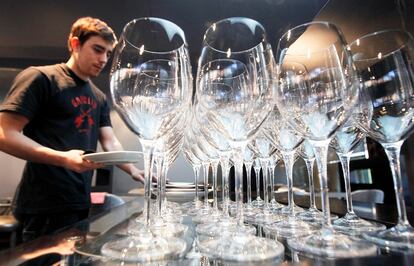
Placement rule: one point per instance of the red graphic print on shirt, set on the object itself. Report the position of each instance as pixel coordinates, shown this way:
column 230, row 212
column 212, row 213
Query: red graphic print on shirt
column 84, row 120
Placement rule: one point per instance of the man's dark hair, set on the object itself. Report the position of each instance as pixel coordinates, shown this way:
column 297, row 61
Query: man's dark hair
column 86, row 27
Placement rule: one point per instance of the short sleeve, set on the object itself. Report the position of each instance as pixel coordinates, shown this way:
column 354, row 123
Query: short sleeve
column 29, row 91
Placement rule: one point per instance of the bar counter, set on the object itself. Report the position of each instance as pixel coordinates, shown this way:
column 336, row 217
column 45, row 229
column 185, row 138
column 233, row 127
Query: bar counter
column 88, row 236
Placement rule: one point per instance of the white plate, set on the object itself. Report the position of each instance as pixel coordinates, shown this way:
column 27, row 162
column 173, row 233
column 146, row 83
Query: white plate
column 184, row 185
column 114, row 157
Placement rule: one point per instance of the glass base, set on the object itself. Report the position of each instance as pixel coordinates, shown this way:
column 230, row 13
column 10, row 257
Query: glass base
column 207, row 216
column 275, row 206
column 249, row 210
column 264, row 218
column 332, row 245
column 157, row 227
column 171, row 215
column 400, row 238
column 197, row 210
column 230, row 204
column 242, row 248
column 291, row 227
column 314, row 216
column 288, row 210
column 351, row 224
column 168, row 229
column 258, row 202
column 195, row 204
column 228, row 226
column 144, row 248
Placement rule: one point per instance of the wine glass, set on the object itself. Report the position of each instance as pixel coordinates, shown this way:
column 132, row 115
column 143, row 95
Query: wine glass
column 231, row 88
column 384, row 61
column 150, row 88
column 316, row 103
column 344, row 142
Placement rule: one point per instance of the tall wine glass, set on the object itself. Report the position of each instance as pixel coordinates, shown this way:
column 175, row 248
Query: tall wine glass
column 230, row 73
column 150, row 88
column 344, row 142
column 317, row 103
column 384, row 61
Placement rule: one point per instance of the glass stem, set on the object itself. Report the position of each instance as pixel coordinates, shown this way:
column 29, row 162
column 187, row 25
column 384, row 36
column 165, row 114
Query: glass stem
column 320, row 149
column 196, row 169
column 238, row 167
column 289, row 159
column 393, row 153
column 205, row 168
column 225, row 184
column 272, row 180
column 309, row 167
column 263, row 163
column 148, row 150
column 345, row 159
column 248, row 166
column 164, row 186
column 214, row 167
column 160, row 174
column 257, row 173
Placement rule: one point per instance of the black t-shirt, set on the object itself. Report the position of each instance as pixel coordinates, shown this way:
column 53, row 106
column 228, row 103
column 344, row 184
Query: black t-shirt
column 65, row 113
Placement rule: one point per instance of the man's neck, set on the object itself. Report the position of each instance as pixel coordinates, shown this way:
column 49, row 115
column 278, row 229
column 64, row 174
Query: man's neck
column 72, row 65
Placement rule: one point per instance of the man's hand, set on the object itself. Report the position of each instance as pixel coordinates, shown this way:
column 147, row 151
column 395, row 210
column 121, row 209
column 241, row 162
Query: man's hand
column 139, row 175
column 75, row 161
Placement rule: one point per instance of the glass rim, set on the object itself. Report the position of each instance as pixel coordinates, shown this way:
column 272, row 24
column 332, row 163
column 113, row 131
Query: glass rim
column 181, row 32
column 263, row 40
column 340, row 36
column 317, row 22
column 406, row 34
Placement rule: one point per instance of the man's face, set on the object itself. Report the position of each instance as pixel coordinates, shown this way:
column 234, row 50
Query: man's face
column 92, row 56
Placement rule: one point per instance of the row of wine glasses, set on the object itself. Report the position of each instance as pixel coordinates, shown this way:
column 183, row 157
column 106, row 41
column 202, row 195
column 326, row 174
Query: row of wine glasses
column 319, row 98
column 246, row 100
column 233, row 90
column 318, row 89
column 151, row 91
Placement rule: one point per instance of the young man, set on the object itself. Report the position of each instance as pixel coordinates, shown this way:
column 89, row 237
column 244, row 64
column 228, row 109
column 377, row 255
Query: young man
column 51, row 115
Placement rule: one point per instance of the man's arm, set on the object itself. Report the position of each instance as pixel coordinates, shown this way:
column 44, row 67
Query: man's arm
column 110, row 142
column 13, row 142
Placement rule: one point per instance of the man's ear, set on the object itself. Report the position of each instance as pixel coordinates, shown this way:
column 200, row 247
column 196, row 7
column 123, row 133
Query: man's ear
column 75, row 43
